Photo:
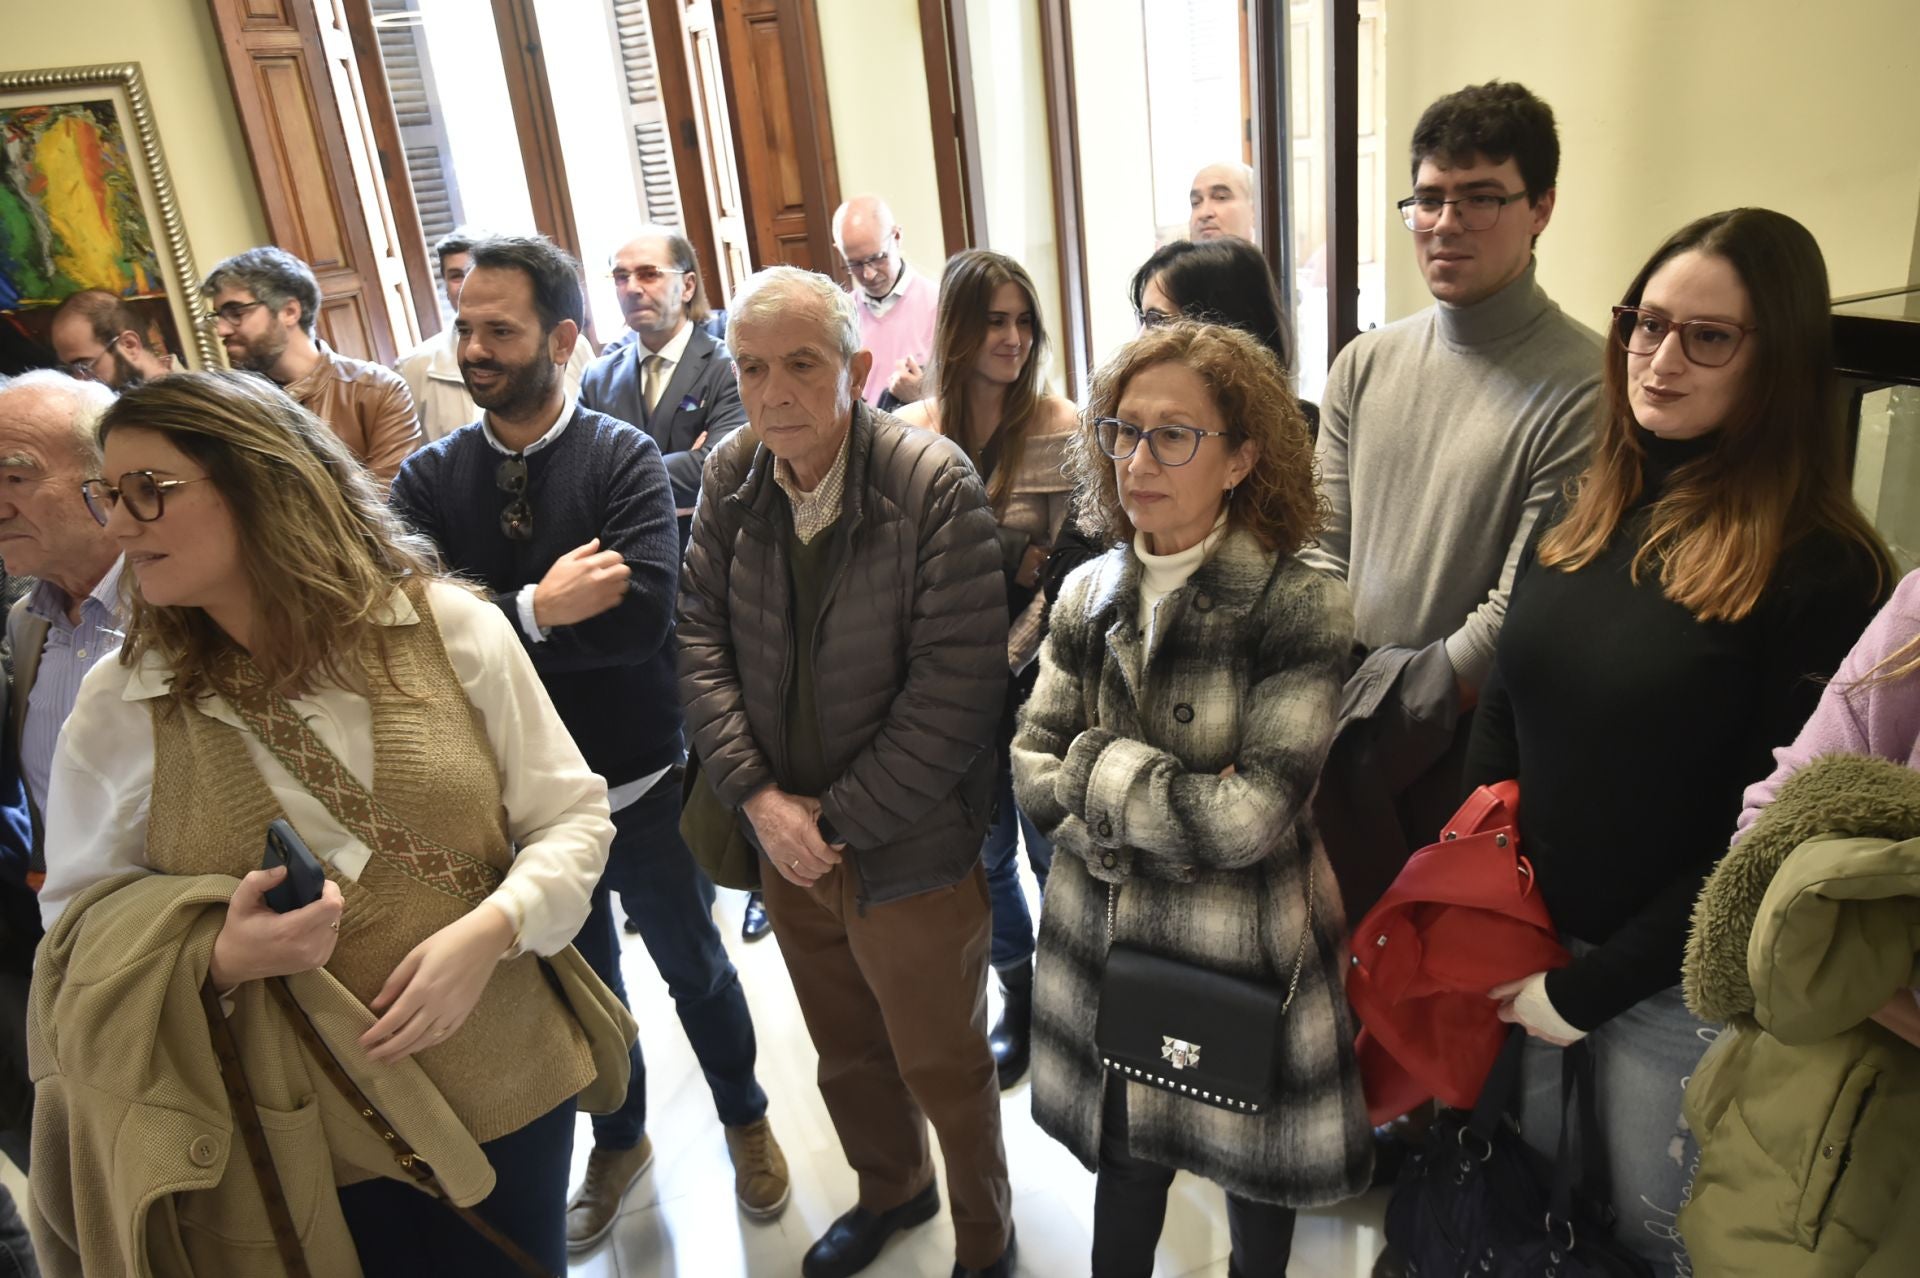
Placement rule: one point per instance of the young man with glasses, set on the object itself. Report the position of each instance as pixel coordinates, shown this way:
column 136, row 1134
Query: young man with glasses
column 565, row 515
column 897, row 306
column 97, row 338
column 1443, row 437
column 263, row 304
column 674, row 381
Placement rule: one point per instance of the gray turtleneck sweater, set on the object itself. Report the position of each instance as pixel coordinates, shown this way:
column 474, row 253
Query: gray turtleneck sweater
column 1442, row 438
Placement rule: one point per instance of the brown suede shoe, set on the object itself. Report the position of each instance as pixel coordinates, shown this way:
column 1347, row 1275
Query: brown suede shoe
column 759, row 1170
column 610, row 1174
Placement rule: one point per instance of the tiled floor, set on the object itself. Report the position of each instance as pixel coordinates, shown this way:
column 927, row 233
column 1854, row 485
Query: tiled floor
column 680, row 1220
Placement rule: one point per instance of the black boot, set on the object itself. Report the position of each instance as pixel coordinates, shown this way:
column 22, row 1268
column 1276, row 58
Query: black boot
column 1009, row 1039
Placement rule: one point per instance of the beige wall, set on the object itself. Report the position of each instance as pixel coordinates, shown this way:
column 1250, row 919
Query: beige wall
column 882, row 133
column 1669, row 111
column 174, row 43
column 1116, row 169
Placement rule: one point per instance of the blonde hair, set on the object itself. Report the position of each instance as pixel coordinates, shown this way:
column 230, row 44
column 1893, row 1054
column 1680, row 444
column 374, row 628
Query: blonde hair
column 321, row 552
column 1278, row 502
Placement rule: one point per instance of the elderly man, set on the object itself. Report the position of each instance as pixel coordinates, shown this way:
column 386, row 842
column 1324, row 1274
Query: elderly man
column 69, row 623
column 264, row 305
column 432, row 369
column 843, row 630
column 897, row 305
column 98, row 339
column 1221, row 200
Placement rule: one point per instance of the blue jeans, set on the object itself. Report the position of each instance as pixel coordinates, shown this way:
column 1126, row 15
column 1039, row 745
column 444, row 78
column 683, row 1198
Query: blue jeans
column 664, row 891
column 1642, row 1060
column 1012, row 924
column 399, row 1230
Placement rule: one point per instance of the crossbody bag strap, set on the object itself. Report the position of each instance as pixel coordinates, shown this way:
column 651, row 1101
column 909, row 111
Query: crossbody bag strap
column 233, row 1076
column 286, row 736
column 404, row 1156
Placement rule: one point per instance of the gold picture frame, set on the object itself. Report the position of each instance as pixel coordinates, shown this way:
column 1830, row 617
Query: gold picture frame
column 86, row 201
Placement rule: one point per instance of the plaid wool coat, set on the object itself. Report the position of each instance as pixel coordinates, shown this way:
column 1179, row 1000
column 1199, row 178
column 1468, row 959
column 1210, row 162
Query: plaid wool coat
column 1118, row 759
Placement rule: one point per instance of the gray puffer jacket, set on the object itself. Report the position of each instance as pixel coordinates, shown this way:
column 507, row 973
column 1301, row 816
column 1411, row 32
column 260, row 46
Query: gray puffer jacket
column 909, row 657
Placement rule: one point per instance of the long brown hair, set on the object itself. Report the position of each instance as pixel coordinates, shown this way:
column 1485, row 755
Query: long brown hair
column 1777, row 469
column 967, row 286
column 1278, row 502
column 321, row 552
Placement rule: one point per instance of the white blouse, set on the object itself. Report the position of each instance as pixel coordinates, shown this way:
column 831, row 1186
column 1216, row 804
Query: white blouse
column 102, row 784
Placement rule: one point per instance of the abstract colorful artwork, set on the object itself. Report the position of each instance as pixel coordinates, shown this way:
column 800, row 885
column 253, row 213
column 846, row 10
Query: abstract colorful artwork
column 84, row 202
column 70, row 215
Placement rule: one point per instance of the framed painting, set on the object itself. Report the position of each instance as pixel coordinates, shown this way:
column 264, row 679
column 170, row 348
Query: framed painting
column 86, row 203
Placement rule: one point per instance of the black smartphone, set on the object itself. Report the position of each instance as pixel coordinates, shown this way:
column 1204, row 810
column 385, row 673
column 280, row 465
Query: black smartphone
column 304, row 875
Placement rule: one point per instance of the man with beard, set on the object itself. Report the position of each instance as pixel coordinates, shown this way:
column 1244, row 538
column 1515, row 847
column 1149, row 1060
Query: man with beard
column 264, row 303
column 97, row 338
column 565, row 516
column 675, row 382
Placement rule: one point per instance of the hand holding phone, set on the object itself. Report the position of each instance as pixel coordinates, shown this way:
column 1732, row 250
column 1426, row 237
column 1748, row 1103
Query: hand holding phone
column 305, row 877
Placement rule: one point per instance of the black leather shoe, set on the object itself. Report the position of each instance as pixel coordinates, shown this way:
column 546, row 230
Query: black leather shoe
column 852, row 1242
column 1010, row 1039
column 754, row 925
column 1001, row 1268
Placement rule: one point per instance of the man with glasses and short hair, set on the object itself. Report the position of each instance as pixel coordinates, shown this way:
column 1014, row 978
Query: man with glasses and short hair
column 263, row 304
column 565, row 515
column 1443, row 437
column 432, row 369
column 674, row 381
column 897, row 306
column 98, row 339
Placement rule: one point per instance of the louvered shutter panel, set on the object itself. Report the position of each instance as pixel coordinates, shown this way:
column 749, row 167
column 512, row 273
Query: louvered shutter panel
column 646, row 113
column 423, row 133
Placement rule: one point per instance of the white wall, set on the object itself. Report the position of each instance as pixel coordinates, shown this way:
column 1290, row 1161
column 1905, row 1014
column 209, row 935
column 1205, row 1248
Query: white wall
column 1116, row 170
column 1669, row 111
column 882, row 132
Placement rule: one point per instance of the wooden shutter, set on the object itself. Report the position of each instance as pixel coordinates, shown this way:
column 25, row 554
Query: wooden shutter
column 777, row 84
column 284, row 92
column 700, row 136
column 424, row 155
column 652, row 155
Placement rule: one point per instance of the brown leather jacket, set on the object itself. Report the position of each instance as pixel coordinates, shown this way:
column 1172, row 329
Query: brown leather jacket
column 368, row 406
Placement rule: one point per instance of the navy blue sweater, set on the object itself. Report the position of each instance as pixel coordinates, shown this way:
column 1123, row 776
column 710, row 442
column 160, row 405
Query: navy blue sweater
column 611, row 677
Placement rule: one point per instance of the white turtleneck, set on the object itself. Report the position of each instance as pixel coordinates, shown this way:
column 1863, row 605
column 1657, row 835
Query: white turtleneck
column 1161, row 575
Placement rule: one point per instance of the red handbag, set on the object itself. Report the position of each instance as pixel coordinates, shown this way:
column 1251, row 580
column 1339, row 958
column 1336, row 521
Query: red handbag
column 1461, row 917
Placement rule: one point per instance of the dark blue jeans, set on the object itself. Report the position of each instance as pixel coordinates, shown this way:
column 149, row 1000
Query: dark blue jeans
column 400, row 1232
column 1012, row 923
column 664, row 891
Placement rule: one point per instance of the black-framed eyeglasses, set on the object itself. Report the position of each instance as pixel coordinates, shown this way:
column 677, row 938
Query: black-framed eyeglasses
column 1170, row 445
column 145, row 496
column 1153, row 317
column 231, row 314
column 1708, row 343
column 516, row 520
column 1477, row 212
column 646, row 276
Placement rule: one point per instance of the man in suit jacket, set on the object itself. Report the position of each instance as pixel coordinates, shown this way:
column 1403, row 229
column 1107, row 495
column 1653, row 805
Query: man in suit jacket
column 673, row 381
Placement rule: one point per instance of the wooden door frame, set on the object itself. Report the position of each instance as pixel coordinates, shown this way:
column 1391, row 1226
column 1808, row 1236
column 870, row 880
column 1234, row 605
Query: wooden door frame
column 1273, row 140
column 391, row 155
column 671, row 64
column 1343, row 174
column 1069, row 225
column 523, row 58
column 957, row 163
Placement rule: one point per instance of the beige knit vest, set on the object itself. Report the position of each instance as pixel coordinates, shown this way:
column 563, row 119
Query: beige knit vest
column 521, row 1052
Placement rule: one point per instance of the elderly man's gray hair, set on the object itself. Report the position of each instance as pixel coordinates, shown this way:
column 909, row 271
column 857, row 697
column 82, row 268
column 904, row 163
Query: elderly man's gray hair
column 777, row 290
column 81, row 403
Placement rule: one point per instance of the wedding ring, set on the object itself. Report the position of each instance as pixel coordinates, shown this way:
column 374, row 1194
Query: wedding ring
column 796, row 865
column 335, row 925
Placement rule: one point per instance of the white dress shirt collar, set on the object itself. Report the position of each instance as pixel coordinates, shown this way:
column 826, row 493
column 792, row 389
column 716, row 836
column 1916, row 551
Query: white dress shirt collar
column 553, row 432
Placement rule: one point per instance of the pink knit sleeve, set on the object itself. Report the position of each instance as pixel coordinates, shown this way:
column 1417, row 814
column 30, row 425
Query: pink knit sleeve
column 1841, row 723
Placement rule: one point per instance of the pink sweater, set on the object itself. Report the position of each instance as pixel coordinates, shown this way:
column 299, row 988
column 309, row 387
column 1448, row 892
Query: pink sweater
column 905, row 330
column 1883, row 720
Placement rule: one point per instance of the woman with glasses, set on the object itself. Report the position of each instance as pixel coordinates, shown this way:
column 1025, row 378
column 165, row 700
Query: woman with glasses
column 990, row 397
column 1672, row 620
column 294, row 656
column 1186, row 701
column 1223, row 281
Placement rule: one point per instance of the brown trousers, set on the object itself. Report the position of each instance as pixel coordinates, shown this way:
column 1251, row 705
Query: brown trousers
column 895, row 1000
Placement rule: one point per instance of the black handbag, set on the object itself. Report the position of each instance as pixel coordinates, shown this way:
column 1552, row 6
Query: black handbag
column 1477, row 1199
column 1188, row 1029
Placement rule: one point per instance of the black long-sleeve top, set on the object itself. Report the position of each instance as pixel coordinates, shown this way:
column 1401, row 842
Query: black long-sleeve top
column 1633, row 728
